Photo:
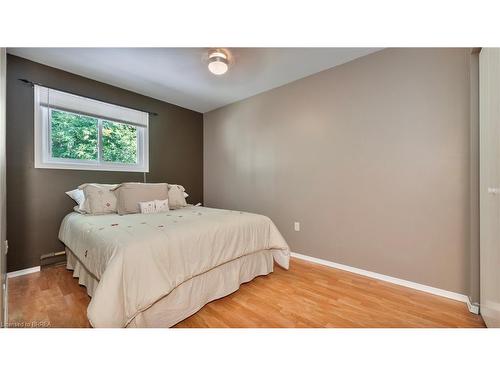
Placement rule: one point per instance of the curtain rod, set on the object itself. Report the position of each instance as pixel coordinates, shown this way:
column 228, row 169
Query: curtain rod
column 83, row 96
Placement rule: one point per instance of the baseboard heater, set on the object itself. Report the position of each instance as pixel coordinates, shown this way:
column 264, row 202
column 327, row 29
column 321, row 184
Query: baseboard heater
column 51, row 258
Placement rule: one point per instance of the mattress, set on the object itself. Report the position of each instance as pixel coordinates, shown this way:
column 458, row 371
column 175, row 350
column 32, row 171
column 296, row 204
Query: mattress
column 139, row 260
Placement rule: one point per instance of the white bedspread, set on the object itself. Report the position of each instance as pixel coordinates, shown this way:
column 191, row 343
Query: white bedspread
column 141, row 258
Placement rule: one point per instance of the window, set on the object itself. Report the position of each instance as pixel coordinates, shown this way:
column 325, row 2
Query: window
column 73, row 132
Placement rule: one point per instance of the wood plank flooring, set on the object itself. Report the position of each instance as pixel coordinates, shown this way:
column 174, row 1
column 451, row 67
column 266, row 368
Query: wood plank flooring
column 49, row 298
column 308, row 295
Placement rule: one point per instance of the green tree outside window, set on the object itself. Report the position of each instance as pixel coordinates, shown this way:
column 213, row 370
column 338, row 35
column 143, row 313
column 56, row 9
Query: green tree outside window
column 119, row 142
column 75, row 136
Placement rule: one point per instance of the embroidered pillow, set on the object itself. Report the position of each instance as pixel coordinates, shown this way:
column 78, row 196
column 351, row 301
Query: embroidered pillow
column 154, row 206
column 176, row 198
column 99, row 199
column 161, row 205
column 147, row 207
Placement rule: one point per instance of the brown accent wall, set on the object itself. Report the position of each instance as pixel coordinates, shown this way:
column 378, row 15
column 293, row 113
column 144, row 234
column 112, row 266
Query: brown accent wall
column 36, row 202
column 371, row 157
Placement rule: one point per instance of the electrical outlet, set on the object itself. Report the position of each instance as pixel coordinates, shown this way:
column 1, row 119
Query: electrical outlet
column 296, row 226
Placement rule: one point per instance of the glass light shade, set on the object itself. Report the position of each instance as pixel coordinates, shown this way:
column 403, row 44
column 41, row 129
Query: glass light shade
column 217, row 63
column 217, row 67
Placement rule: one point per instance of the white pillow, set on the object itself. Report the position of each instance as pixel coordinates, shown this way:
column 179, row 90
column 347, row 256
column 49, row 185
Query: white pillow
column 161, row 206
column 154, row 206
column 78, row 196
column 147, row 207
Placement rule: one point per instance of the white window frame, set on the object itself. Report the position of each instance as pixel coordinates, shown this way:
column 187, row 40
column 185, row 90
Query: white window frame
column 88, row 107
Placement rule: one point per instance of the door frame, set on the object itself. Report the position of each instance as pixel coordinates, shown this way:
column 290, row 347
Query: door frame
column 3, row 207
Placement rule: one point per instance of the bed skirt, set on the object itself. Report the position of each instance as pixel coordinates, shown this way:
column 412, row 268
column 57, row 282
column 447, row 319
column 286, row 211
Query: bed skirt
column 85, row 278
column 193, row 294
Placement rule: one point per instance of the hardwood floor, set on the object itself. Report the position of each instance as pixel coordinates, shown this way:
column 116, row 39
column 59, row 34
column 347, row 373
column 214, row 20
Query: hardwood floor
column 49, row 298
column 308, row 295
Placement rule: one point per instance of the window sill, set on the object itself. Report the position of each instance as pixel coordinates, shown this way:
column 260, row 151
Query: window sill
column 90, row 167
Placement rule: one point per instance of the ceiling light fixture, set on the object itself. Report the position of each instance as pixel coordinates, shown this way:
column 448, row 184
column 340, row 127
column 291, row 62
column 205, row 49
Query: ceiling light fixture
column 218, row 63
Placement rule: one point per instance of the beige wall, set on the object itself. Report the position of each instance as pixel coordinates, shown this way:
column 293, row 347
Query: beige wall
column 371, row 157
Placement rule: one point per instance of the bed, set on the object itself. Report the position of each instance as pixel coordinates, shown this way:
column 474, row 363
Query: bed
column 154, row 270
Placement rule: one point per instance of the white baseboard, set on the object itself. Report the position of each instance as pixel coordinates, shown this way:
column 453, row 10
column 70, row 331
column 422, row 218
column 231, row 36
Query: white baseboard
column 473, row 307
column 393, row 280
column 23, row 272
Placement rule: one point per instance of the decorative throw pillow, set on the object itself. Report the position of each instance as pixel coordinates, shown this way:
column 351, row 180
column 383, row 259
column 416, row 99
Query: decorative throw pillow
column 147, row 207
column 161, row 205
column 83, row 207
column 154, row 206
column 176, row 198
column 130, row 194
column 99, row 199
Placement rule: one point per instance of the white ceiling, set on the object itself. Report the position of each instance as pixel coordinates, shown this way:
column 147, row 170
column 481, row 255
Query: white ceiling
column 180, row 75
